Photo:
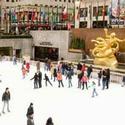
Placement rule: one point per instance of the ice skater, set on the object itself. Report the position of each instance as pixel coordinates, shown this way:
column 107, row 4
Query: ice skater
column 35, row 77
column 94, row 92
column 123, row 81
column 47, row 80
column 59, row 78
column 6, row 99
column 40, row 79
column 30, row 114
column 49, row 121
column 69, row 76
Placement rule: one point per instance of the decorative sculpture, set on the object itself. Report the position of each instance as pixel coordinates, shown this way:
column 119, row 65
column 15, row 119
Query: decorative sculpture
column 105, row 49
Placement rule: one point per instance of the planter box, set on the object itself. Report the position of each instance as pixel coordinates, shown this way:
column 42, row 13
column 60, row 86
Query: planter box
column 75, row 50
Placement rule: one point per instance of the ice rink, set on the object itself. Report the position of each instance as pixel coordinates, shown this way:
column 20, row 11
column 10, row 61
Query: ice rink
column 67, row 106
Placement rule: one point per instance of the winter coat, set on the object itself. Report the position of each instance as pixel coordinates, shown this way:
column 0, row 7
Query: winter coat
column 30, row 111
column 46, row 78
column 54, row 73
column 6, row 96
column 27, row 66
column 69, row 75
column 40, row 75
column 35, row 77
column 59, row 76
column 84, row 79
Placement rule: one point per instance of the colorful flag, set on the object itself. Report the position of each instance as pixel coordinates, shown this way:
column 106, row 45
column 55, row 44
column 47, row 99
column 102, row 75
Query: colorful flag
column 97, row 11
column 78, row 14
column 103, row 11
column 65, row 13
column 33, row 15
column 110, row 9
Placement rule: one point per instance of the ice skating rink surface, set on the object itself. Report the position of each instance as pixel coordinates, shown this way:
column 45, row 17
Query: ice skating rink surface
column 67, row 106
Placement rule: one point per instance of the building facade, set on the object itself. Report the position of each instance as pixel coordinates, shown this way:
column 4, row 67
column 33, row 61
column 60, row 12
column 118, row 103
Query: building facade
column 24, row 15
column 99, row 13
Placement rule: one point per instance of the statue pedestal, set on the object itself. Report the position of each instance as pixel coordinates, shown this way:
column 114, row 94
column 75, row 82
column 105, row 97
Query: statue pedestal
column 107, row 61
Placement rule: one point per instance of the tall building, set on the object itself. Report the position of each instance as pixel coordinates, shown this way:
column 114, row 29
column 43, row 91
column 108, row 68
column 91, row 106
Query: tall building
column 36, row 14
column 99, row 13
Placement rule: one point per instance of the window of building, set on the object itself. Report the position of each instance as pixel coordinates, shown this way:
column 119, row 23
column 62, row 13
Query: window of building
column 83, row 12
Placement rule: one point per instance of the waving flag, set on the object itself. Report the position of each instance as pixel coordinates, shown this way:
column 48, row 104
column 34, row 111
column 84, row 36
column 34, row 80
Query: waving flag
column 65, row 13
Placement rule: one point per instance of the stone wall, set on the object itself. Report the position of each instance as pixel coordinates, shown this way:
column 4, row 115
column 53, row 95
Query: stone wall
column 24, row 44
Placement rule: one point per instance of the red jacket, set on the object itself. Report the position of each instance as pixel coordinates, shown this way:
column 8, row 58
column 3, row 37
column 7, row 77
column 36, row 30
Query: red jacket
column 84, row 79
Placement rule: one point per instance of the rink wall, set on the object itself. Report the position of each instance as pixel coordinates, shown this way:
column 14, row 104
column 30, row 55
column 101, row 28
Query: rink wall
column 116, row 74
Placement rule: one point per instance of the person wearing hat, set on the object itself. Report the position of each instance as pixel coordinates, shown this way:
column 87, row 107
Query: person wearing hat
column 6, row 99
column 30, row 113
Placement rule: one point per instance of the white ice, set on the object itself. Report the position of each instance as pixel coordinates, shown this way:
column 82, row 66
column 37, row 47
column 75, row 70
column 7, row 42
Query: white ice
column 67, row 106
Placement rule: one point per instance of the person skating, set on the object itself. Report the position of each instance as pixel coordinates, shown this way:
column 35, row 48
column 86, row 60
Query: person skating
column 47, row 80
column 6, row 99
column 99, row 77
column 35, row 80
column 40, row 79
column 30, row 114
column 107, row 78
column 54, row 74
column 84, row 81
column 69, row 76
column 49, row 121
column 27, row 66
column 79, row 79
column 103, row 79
column 123, row 81
column 94, row 92
column 59, row 78
column 89, row 71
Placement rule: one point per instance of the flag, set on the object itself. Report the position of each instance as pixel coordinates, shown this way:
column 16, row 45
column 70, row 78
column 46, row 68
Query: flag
column 78, row 13
column 110, row 10
column 5, row 14
column 118, row 8
column 97, row 11
column 33, row 15
column 65, row 13
column 42, row 14
column 57, row 15
column 103, row 11
column 90, row 11
column 13, row 15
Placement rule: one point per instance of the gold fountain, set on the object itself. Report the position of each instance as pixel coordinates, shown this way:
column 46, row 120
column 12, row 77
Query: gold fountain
column 105, row 49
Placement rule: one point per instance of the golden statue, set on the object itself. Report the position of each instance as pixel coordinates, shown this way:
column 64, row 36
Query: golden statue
column 105, row 49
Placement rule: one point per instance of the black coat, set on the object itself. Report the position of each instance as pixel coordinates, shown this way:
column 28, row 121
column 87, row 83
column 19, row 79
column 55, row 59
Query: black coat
column 6, row 96
column 40, row 75
column 55, row 72
column 30, row 111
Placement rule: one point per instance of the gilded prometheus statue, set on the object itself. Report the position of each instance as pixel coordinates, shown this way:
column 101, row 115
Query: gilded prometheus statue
column 105, row 49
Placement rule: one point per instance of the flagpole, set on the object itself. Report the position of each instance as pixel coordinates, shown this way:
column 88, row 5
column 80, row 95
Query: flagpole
column 104, row 13
column 90, row 13
column 118, row 12
column 110, row 13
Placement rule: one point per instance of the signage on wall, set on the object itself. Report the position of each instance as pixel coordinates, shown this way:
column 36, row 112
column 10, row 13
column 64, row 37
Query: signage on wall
column 43, row 43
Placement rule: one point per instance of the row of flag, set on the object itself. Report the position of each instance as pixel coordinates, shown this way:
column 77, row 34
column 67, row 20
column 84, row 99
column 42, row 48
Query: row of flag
column 44, row 14
column 113, row 10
